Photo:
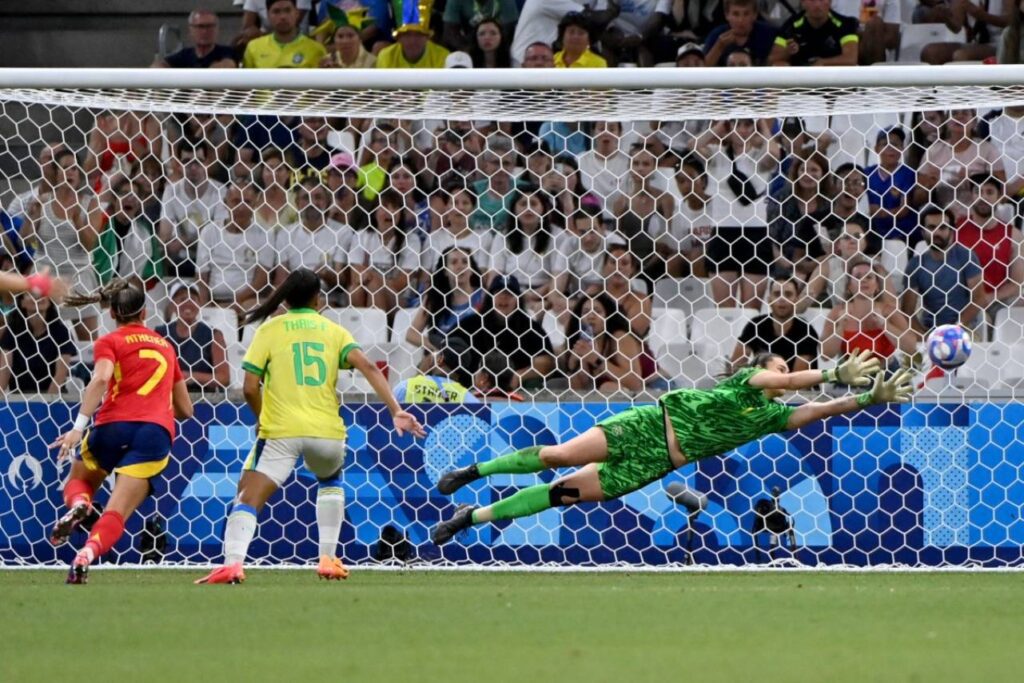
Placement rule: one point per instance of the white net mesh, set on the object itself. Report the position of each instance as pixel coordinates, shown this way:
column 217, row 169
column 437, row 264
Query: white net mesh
column 578, row 250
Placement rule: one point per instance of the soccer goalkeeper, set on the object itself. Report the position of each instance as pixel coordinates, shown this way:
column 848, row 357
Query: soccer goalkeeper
column 630, row 450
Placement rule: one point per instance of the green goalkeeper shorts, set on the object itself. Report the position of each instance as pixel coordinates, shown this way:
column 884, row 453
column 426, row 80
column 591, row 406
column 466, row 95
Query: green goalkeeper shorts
column 637, row 451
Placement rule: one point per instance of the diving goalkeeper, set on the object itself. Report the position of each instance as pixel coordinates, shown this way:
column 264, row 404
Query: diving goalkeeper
column 630, row 450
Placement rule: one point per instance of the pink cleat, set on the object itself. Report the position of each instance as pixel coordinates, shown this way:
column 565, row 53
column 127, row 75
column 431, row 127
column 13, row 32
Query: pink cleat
column 332, row 569
column 78, row 573
column 229, row 573
column 69, row 522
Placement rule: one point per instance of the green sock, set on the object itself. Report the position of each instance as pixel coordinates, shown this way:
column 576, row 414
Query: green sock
column 529, row 501
column 523, row 461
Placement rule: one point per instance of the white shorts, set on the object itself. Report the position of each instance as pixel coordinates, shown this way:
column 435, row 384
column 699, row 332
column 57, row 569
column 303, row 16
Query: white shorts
column 276, row 458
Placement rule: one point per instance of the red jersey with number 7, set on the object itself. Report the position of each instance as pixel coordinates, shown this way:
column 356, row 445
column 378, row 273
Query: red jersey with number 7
column 145, row 372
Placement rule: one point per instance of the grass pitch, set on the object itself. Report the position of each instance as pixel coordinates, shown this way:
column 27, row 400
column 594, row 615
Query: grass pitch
column 523, row 627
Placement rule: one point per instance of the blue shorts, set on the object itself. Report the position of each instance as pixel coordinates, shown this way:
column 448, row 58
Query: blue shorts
column 138, row 449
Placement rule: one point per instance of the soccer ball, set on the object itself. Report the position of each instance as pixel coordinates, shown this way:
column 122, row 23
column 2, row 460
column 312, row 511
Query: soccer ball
column 949, row 346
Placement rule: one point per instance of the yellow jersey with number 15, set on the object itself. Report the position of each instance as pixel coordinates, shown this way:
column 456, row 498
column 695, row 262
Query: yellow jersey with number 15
column 298, row 356
column 266, row 52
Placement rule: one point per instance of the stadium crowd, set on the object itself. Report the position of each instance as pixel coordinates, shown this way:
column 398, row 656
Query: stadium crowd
column 517, row 254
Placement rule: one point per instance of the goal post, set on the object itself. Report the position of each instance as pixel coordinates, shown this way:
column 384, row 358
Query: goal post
column 668, row 223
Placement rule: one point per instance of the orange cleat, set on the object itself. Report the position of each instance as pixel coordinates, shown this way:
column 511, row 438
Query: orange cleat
column 229, row 573
column 332, row 569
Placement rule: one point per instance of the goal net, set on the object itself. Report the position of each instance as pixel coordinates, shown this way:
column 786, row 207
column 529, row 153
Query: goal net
column 566, row 246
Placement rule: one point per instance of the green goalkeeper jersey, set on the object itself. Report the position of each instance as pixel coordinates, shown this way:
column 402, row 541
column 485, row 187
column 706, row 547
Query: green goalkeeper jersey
column 711, row 422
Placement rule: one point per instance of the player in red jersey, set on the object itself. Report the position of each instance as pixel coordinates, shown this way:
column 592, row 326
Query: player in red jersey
column 139, row 381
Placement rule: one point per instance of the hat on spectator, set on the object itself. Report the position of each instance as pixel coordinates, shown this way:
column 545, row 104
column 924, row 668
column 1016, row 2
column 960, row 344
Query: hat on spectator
column 348, row 13
column 182, row 286
column 458, row 60
column 690, row 48
column 343, row 161
column 503, row 282
column 415, row 17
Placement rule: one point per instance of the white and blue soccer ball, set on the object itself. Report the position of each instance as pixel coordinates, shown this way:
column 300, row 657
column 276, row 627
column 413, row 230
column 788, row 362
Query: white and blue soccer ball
column 949, row 346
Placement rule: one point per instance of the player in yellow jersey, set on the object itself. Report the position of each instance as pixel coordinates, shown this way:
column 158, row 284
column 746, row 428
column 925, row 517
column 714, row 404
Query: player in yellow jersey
column 296, row 357
column 285, row 47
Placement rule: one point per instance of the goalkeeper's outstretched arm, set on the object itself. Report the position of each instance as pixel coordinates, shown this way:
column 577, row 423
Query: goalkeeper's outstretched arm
column 896, row 389
column 854, row 370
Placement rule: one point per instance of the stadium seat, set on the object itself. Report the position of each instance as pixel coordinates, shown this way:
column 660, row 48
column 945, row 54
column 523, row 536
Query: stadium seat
column 993, row 365
column 225, row 320
column 855, row 133
column 1009, row 325
column 668, row 327
column 797, row 103
column 686, row 294
column 342, row 141
column 913, row 38
column 682, row 368
column 556, row 335
column 714, row 334
column 369, row 326
column 403, row 357
column 893, row 257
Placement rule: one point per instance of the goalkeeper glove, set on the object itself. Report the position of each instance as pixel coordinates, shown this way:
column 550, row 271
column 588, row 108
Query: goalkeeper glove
column 896, row 389
column 855, row 370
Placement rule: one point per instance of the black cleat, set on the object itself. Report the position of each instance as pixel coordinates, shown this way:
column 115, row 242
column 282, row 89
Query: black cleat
column 456, row 479
column 78, row 572
column 444, row 531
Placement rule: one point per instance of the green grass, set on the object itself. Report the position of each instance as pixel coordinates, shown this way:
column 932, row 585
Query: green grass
column 528, row 628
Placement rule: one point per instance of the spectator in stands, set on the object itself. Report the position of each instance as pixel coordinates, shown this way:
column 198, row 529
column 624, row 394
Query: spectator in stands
column 633, row 36
column 605, row 164
column 643, row 208
column 315, row 242
column 285, row 47
column 116, row 142
column 680, row 244
column 620, row 269
column 891, row 185
column 931, row 190
column 343, row 182
column 817, row 36
column 37, row 350
column 795, row 213
column 879, row 26
column 505, row 327
column 781, row 331
column 347, row 51
column 742, row 31
column 538, row 22
column 574, row 37
column 188, row 205
column 851, row 198
column 582, row 246
column 413, row 48
column 235, row 258
column 377, row 158
column 61, row 223
column 1007, row 135
column 311, row 149
column 456, row 231
column 826, row 285
column 274, row 208
column 740, row 159
column 528, row 249
column 201, row 350
column 490, row 48
column 447, row 376
column 943, row 285
column 739, row 57
column 128, row 246
column 927, row 130
column 602, row 353
column 868, row 319
column 462, row 20
column 455, row 294
column 387, row 256
column 205, row 53
column 256, row 20
column 690, row 55
column 689, row 22
column 959, row 153
column 538, row 56
column 996, row 244
column 494, row 192
column 984, row 29
column 402, row 178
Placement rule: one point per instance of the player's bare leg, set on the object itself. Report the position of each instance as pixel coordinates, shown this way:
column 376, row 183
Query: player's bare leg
column 128, row 494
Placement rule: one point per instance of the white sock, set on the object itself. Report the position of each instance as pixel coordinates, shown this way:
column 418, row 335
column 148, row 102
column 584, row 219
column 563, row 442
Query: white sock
column 330, row 513
column 238, row 535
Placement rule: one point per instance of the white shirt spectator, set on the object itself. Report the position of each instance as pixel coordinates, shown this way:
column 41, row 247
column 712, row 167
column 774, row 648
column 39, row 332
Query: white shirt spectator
column 297, row 247
column 369, row 249
column 229, row 259
column 187, row 213
column 603, row 175
column 888, row 10
column 979, row 157
column 538, row 23
column 480, row 244
column 583, row 266
column 725, row 208
column 529, row 266
column 685, row 227
column 1007, row 134
column 635, row 13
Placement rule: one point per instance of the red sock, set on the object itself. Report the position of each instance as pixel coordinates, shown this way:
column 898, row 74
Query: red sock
column 105, row 532
column 77, row 490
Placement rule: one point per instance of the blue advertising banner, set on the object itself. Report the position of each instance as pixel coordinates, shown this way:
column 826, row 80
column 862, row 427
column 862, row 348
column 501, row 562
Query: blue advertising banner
column 925, row 484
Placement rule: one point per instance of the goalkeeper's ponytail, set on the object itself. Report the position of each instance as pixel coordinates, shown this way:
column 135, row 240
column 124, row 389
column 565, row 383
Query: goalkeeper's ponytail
column 299, row 290
column 127, row 302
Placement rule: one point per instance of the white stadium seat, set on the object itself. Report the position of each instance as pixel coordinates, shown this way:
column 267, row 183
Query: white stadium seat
column 668, row 327
column 714, row 334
